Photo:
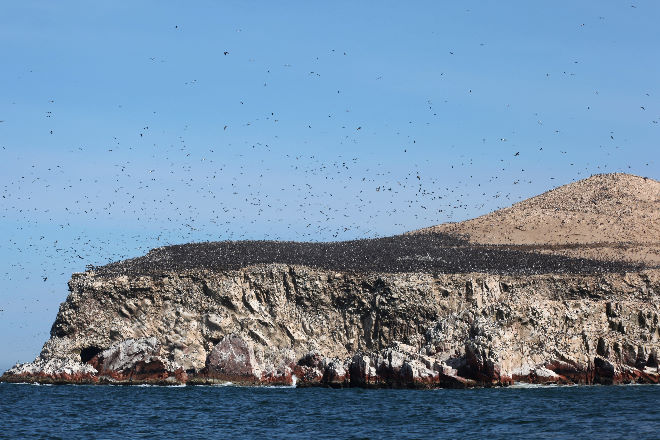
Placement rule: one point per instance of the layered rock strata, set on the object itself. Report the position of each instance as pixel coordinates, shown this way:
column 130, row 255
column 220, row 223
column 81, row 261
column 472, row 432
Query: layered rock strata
column 285, row 324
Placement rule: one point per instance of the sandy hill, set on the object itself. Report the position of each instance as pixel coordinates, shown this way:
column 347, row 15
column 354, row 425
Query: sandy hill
column 607, row 216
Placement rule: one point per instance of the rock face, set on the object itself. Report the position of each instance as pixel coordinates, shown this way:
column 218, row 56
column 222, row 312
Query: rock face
column 422, row 310
column 265, row 324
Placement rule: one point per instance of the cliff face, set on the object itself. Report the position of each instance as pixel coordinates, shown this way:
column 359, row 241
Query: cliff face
column 279, row 323
column 501, row 298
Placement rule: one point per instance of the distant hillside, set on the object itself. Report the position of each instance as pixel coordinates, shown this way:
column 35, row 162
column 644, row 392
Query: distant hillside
column 607, row 216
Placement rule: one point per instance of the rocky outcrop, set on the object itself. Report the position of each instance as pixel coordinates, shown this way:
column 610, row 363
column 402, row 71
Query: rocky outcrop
column 502, row 298
column 284, row 324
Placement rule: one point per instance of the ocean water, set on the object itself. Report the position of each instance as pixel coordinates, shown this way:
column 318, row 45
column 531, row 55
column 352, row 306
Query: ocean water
column 121, row 412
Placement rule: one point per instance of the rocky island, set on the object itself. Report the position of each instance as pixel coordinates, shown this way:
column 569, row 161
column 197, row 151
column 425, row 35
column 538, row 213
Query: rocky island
column 560, row 288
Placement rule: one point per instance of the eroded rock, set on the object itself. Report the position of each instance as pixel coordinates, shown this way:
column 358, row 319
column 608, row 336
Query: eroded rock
column 276, row 324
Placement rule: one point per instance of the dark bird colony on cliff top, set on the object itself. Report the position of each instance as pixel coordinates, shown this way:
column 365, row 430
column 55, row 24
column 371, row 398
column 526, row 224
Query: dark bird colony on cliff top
column 430, row 253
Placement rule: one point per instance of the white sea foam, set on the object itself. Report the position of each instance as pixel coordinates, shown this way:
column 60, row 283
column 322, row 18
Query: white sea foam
column 226, row 384
column 532, row 385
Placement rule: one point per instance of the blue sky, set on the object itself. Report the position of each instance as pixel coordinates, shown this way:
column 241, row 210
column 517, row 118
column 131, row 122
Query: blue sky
column 125, row 126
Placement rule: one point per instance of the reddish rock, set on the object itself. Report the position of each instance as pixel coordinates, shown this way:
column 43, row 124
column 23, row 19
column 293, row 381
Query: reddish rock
column 603, row 372
column 47, row 378
column 232, row 359
column 480, row 368
column 362, row 371
column 335, row 375
column 135, row 361
column 569, row 372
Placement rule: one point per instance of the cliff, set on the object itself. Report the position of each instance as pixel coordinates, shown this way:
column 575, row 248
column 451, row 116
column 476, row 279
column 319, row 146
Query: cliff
column 421, row 310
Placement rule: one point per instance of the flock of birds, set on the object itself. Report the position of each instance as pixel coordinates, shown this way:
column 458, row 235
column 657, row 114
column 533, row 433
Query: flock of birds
column 431, row 253
column 152, row 190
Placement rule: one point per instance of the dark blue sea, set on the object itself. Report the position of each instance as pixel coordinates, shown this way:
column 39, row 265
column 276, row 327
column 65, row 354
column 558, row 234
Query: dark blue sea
column 121, row 412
